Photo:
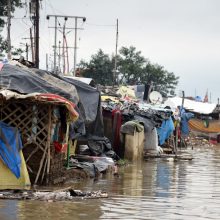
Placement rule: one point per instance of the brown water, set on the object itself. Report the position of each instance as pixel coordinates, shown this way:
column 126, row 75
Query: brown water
column 158, row 189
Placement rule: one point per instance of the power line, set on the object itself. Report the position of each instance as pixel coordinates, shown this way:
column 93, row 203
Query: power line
column 101, row 25
column 65, row 17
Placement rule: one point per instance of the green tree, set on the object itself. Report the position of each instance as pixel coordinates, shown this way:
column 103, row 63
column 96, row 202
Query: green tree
column 99, row 68
column 133, row 67
column 130, row 64
column 163, row 81
column 3, row 12
column 137, row 69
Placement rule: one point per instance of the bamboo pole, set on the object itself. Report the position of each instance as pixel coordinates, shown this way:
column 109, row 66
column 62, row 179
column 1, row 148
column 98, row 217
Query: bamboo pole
column 176, row 141
column 47, row 149
column 44, row 170
column 68, row 145
column 48, row 143
column 41, row 164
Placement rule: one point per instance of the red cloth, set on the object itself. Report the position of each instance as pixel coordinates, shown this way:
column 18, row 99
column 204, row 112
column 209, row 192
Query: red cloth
column 53, row 98
column 60, row 147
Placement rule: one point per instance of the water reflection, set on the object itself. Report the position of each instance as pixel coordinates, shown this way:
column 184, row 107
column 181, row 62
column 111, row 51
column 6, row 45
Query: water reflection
column 156, row 189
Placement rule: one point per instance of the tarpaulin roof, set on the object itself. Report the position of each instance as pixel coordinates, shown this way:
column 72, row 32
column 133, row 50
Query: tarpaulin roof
column 90, row 108
column 43, row 97
column 88, row 81
column 190, row 105
column 25, row 81
column 89, row 105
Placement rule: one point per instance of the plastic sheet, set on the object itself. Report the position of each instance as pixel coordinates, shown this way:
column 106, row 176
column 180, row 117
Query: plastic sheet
column 10, row 145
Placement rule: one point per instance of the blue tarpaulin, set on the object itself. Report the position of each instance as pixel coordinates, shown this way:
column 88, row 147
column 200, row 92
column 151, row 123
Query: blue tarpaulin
column 185, row 117
column 165, row 130
column 10, row 145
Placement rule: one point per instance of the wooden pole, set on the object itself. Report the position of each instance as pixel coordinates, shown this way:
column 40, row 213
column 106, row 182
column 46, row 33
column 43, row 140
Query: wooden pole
column 9, row 29
column 68, row 145
column 176, row 141
column 44, row 170
column 48, row 142
column 41, row 164
column 116, row 54
column 32, row 46
column 37, row 17
column 46, row 150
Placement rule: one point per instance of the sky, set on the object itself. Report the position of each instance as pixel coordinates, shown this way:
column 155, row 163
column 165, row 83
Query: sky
column 183, row 36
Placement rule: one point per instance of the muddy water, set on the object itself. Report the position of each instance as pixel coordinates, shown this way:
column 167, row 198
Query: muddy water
column 158, row 189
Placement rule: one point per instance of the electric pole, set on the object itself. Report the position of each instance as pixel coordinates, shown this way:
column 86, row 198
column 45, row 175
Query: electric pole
column 32, row 46
column 46, row 61
column 59, row 56
column 34, row 11
column 9, row 29
column 26, row 46
column 75, row 48
column 116, row 54
column 37, row 34
column 55, row 35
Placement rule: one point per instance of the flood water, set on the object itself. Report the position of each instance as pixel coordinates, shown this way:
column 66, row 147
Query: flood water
column 156, row 189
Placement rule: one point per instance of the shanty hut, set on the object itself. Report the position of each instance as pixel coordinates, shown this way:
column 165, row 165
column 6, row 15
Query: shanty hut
column 35, row 117
column 206, row 116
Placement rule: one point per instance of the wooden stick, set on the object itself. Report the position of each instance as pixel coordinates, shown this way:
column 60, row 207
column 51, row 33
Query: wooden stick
column 41, row 164
column 68, row 144
column 44, row 170
column 31, row 154
column 48, row 143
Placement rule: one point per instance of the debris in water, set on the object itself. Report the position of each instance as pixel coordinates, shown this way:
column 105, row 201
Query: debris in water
column 51, row 196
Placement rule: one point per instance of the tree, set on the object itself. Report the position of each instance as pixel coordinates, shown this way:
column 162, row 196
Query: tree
column 163, row 81
column 137, row 69
column 133, row 67
column 130, row 64
column 3, row 12
column 99, row 68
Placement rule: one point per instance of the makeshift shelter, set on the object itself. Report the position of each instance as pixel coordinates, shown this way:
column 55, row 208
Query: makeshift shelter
column 36, row 118
column 190, row 105
column 89, row 128
column 206, row 116
column 44, row 108
column 88, row 105
column 38, row 109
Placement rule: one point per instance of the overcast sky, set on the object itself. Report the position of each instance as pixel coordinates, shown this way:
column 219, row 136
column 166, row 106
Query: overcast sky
column 181, row 35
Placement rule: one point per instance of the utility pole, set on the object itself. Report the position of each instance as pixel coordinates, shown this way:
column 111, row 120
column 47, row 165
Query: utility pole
column 55, row 46
column 55, row 35
column 64, row 38
column 37, row 34
column 59, row 56
column 75, row 48
column 116, row 54
column 47, row 61
column 32, row 46
column 26, row 49
column 9, row 29
column 34, row 11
